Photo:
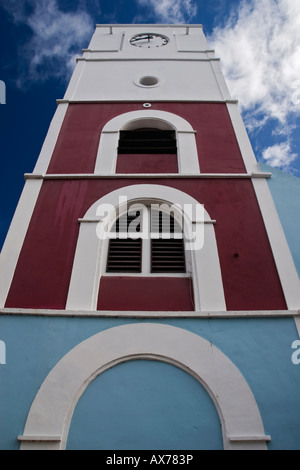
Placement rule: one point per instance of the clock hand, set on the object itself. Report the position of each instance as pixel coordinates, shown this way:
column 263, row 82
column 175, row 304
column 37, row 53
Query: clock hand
column 144, row 37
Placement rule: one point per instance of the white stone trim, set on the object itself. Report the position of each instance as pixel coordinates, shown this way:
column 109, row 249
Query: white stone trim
column 70, row 176
column 204, row 263
column 297, row 323
column 188, row 161
column 196, row 100
column 285, row 265
column 206, row 274
column 216, row 67
column 249, row 438
column 74, row 81
column 113, row 26
column 83, row 290
column 204, row 58
column 295, row 314
column 16, row 235
column 52, row 409
column 51, row 139
column 39, row 438
column 248, row 156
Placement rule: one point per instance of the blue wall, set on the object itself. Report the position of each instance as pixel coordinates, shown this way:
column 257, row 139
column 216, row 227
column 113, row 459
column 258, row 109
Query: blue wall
column 145, row 405
column 285, row 190
column 260, row 348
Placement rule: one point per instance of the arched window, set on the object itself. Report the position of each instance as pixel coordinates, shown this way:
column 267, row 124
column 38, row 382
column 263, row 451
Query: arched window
column 111, row 156
column 201, row 262
column 146, row 240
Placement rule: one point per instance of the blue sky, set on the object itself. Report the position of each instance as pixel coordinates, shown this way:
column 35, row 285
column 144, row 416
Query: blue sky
column 258, row 42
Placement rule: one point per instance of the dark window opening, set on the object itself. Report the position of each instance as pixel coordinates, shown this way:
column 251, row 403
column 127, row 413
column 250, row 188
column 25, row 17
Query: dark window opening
column 147, row 140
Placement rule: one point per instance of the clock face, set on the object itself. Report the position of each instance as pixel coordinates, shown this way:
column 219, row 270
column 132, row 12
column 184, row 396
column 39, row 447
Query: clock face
column 147, row 40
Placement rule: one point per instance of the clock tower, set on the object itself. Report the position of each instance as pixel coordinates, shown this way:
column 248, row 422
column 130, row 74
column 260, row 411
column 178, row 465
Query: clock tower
column 146, row 278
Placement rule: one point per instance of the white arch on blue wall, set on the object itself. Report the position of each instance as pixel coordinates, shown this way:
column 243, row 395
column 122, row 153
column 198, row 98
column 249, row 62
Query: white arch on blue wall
column 50, row 415
column 188, row 162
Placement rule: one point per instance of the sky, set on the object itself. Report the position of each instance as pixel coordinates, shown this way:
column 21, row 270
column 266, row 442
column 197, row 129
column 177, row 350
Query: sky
column 258, row 42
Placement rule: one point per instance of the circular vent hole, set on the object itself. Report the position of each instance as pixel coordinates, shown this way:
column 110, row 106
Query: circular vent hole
column 148, row 81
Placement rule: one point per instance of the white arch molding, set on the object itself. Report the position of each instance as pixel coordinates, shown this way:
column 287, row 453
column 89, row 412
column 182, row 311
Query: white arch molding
column 90, row 251
column 188, row 162
column 50, row 415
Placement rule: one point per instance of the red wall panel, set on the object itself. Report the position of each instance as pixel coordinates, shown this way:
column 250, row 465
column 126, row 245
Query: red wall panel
column 145, row 293
column 44, row 267
column 147, row 163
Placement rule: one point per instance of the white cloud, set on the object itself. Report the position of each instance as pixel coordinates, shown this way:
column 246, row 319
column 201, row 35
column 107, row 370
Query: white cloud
column 171, row 11
column 260, row 54
column 55, row 41
column 259, row 47
column 279, row 155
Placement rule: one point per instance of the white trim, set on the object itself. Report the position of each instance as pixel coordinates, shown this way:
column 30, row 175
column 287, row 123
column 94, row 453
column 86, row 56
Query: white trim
column 242, row 137
column 216, row 67
column 97, row 220
column 16, row 234
column 150, row 25
column 295, row 314
column 39, row 438
column 285, row 265
column 150, row 59
column 188, row 161
column 204, row 264
column 297, row 323
column 148, row 274
column 84, row 284
column 74, row 81
column 70, row 176
column 214, row 100
column 51, row 139
column 249, row 438
column 52, row 409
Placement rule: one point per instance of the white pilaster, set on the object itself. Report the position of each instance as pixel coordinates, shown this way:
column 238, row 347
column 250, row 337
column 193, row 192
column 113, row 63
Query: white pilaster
column 43, row 161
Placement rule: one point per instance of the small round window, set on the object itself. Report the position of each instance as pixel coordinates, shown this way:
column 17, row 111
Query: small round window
column 148, row 81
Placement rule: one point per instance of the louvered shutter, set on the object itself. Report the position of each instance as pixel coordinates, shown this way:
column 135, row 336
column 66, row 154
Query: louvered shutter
column 124, row 254
column 167, row 254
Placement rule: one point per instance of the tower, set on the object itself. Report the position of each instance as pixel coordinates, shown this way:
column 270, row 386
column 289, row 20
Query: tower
column 145, row 268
